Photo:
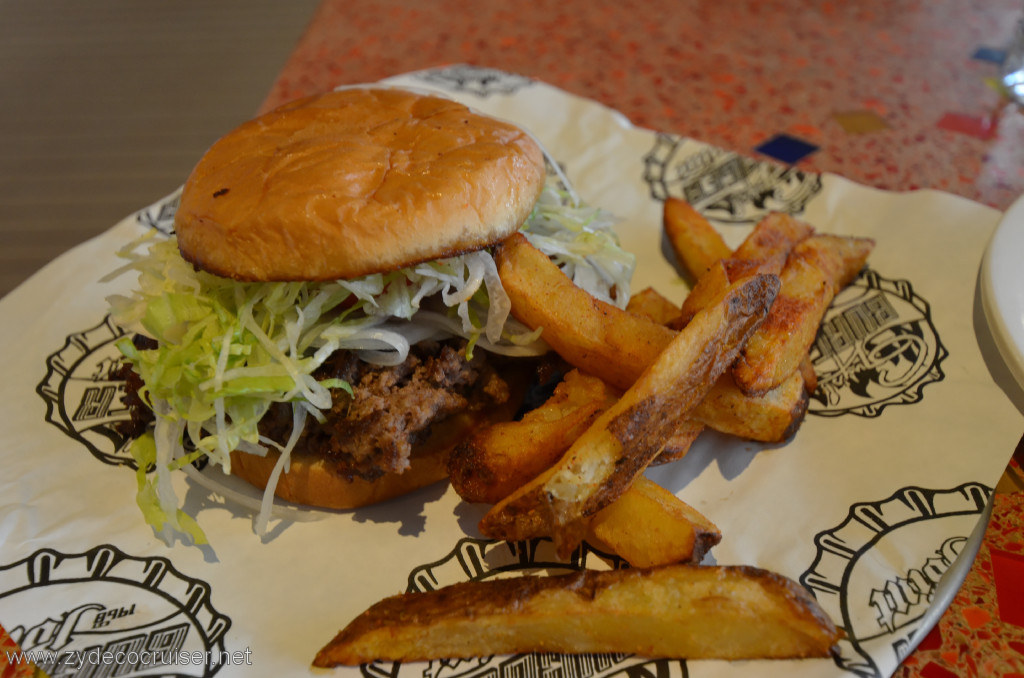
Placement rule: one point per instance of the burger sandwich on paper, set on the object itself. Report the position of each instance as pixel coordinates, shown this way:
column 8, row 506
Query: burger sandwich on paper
column 327, row 321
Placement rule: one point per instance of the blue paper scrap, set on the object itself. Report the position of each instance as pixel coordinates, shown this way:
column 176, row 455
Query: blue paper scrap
column 992, row 54
column 786, row 148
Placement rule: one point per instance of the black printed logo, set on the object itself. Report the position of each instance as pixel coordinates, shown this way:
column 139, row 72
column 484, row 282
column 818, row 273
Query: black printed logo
column 160, row 215
column 83, row 396
column 876, row 347
column 479, row 559
column 103, row 613
column 477, row 80
column 881, row 608
column 725, row 186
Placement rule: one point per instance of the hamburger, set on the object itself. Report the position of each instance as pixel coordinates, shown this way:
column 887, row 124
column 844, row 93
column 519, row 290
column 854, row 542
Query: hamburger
column 326, row 322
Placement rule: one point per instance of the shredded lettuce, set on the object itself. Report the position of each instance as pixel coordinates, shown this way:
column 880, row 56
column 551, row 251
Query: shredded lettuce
column 579, row 238
column 164, row 521
column 227, row 350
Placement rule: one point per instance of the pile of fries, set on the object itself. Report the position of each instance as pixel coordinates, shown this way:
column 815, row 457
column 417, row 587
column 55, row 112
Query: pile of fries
column 646, row 382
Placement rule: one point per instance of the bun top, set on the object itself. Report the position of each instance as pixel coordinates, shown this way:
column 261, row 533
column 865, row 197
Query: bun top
column 353, row 182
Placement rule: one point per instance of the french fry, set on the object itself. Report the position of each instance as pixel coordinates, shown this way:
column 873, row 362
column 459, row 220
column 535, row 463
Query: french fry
column 772, row 239
column 594, row 336
column 679, row 611
column 841, row 257
column 500, row 458
column 651, row 304
column 764, row 250
column 692, row 238
column 809, row 375
column 776, row 353
column 770, row 418
column 648, row 526
column 817, row 268
column 715, row 279
column 590, row 334
column 679, row 442
column 620, row 444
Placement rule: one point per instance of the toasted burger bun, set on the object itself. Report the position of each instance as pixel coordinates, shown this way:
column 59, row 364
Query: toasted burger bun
column 312, row 482
column 353, row 182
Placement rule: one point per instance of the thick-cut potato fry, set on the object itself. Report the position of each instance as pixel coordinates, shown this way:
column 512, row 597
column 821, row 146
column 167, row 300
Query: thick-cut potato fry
column 693, row 239
column 715, row 279
column 590, row 334
column 817, row 268
column 772, row 239
column 764, row 250
column 624, row 440
column 841, row 257
column 648, row 526
column 500, row 458
column 770, row 418
column 679, row 611
column 651, row 304
column 806, row 370
column 680, row 441
column 772, row 355
column 617, row 346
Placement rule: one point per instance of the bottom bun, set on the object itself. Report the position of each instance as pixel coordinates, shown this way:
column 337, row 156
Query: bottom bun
column 311, row 480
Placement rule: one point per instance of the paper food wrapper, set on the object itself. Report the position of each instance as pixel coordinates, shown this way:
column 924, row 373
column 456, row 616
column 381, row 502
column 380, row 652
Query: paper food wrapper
column 868, row 506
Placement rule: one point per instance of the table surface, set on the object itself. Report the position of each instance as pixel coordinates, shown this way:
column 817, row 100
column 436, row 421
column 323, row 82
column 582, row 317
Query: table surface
column 896, row 95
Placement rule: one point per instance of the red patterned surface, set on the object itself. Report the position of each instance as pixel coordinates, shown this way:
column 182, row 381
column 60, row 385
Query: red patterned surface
column 889, row 92
column 10, row 667
column 982, row 632
column 732, row 74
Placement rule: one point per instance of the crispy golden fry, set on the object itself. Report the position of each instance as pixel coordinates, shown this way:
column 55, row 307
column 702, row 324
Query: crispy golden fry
column 500, row 458
column 679, row 442
column 679, row 611
column 775, row 353
column 770, row 418
column 809, row 375
column 590, row 334
column 817, row 268
column 648, row 526
column 716, row 278
column 617, row 447
column 841, row 257
column 764, row 250
column 651, row 304
column 772, row 239
column 694, row 240
column 598, row 338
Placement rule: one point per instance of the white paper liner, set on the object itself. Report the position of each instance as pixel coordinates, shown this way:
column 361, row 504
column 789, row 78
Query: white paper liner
column 868, row 505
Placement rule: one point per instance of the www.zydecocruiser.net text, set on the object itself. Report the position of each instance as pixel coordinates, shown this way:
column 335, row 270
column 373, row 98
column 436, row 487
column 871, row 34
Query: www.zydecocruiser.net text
column 79, row 659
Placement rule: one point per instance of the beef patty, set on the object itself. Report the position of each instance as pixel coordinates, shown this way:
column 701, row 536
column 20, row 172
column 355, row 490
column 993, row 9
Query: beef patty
column 372, row 432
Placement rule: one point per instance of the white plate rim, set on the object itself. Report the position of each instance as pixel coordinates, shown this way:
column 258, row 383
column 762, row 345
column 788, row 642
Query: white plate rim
column 1002, row 288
